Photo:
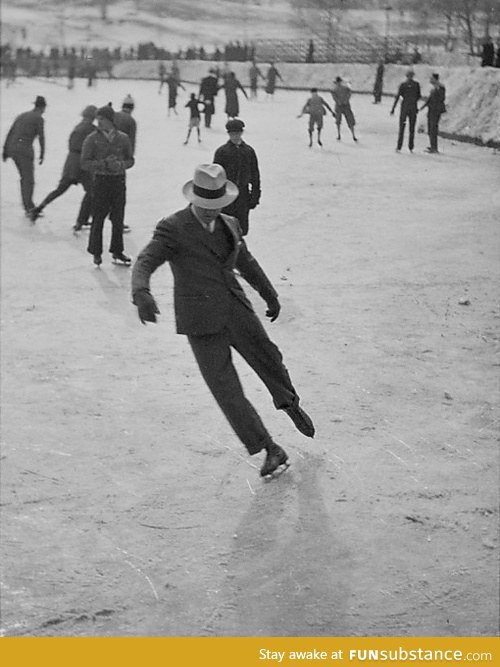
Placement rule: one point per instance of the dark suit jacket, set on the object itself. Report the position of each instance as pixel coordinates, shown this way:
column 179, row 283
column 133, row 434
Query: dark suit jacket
column 204, row 280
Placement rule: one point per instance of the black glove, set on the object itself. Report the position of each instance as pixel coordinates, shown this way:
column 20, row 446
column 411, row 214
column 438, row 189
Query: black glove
column 146, row 306
column 4, row 157
column 254, row 201
column 273, row 309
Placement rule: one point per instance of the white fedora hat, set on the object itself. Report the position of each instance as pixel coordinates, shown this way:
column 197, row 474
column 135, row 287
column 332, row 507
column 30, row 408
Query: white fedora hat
column 209, row 187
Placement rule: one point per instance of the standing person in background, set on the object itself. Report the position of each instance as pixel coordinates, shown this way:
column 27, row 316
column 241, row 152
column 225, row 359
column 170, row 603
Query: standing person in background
column 194, row 116
column 173, row 84
column 379, row 82
column 125, row 122
column 271, row 76
column 409, row 92
column 73, row 173
column 107, row 153
column 254, row 73
column 341, row 94
column 204, row 248
column 71, row 71
column 175, row 71
column 315, row 107
column 488, row 53
column 161, row 75
column 435, row 108
column 209, row 88
column 242, row 167
column 18, row 145
column 231, row 85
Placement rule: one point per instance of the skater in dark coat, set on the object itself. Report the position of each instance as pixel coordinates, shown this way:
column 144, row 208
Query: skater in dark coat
column 107, row 153
column 242, row 167
column 409, row 92
column 271, row 77
column 231, row 85
column 209, row 88
column 173, row 84
column 18, row 145
column 73, row 173
column 379, row 83
column 204, row 248
column 435, row 108
column 254, row 73
column 125, row 122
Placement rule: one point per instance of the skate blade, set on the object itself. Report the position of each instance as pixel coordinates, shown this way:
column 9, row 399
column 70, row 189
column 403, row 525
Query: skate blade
column 283, row 467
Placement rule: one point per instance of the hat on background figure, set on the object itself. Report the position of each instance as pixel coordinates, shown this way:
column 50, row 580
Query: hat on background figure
column 90, row 112
column 128, row 102
column 210, row 187
column 40, row 102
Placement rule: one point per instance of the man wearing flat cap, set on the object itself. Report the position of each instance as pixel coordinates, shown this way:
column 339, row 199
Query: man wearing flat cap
column 72, row 172
column 242, row 167
column 18, row 145
column 106, row 154
column 204, row 248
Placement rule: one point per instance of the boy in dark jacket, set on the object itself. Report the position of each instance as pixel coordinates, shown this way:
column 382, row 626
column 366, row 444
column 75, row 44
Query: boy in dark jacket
column 241, row 165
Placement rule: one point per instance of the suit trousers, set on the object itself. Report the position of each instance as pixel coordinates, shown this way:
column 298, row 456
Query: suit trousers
column 411, row 115
column 64, row 184
column 109, row 199
column 245, row 333
column 26, row 168
column 432, row 129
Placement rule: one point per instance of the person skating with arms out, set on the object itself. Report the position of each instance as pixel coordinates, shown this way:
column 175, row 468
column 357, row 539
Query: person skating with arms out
column 204, row 248
column 315, row 107
column 194, row 116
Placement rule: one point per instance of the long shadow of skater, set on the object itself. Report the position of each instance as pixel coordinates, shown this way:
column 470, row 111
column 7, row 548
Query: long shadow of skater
column 282, row 575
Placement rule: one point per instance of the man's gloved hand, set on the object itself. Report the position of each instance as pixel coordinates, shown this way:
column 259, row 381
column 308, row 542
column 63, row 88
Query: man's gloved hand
column 4, row 157
column 254, row 201
column 146, row 306
column 273, row 309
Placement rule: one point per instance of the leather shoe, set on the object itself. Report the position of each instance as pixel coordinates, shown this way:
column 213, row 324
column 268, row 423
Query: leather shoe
column 275, row 458
column 301, row 420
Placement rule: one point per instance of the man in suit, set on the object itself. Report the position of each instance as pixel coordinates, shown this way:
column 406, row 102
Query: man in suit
column 19, row 146
column 209, row 88
column 240, row 163
column 409, row 92
column 435, row 107
column 73, row 173
column 204, row 247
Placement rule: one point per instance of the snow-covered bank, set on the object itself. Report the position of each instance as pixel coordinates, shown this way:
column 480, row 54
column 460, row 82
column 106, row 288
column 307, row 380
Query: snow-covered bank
column 473, row 94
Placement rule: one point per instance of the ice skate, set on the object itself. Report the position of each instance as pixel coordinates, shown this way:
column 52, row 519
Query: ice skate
column 276, row 462
column 120, row 258
column 97, row 260
column 34, row 213
column 301, row 419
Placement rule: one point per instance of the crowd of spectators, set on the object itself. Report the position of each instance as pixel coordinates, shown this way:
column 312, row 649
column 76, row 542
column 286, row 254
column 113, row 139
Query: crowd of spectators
column 87, row 62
